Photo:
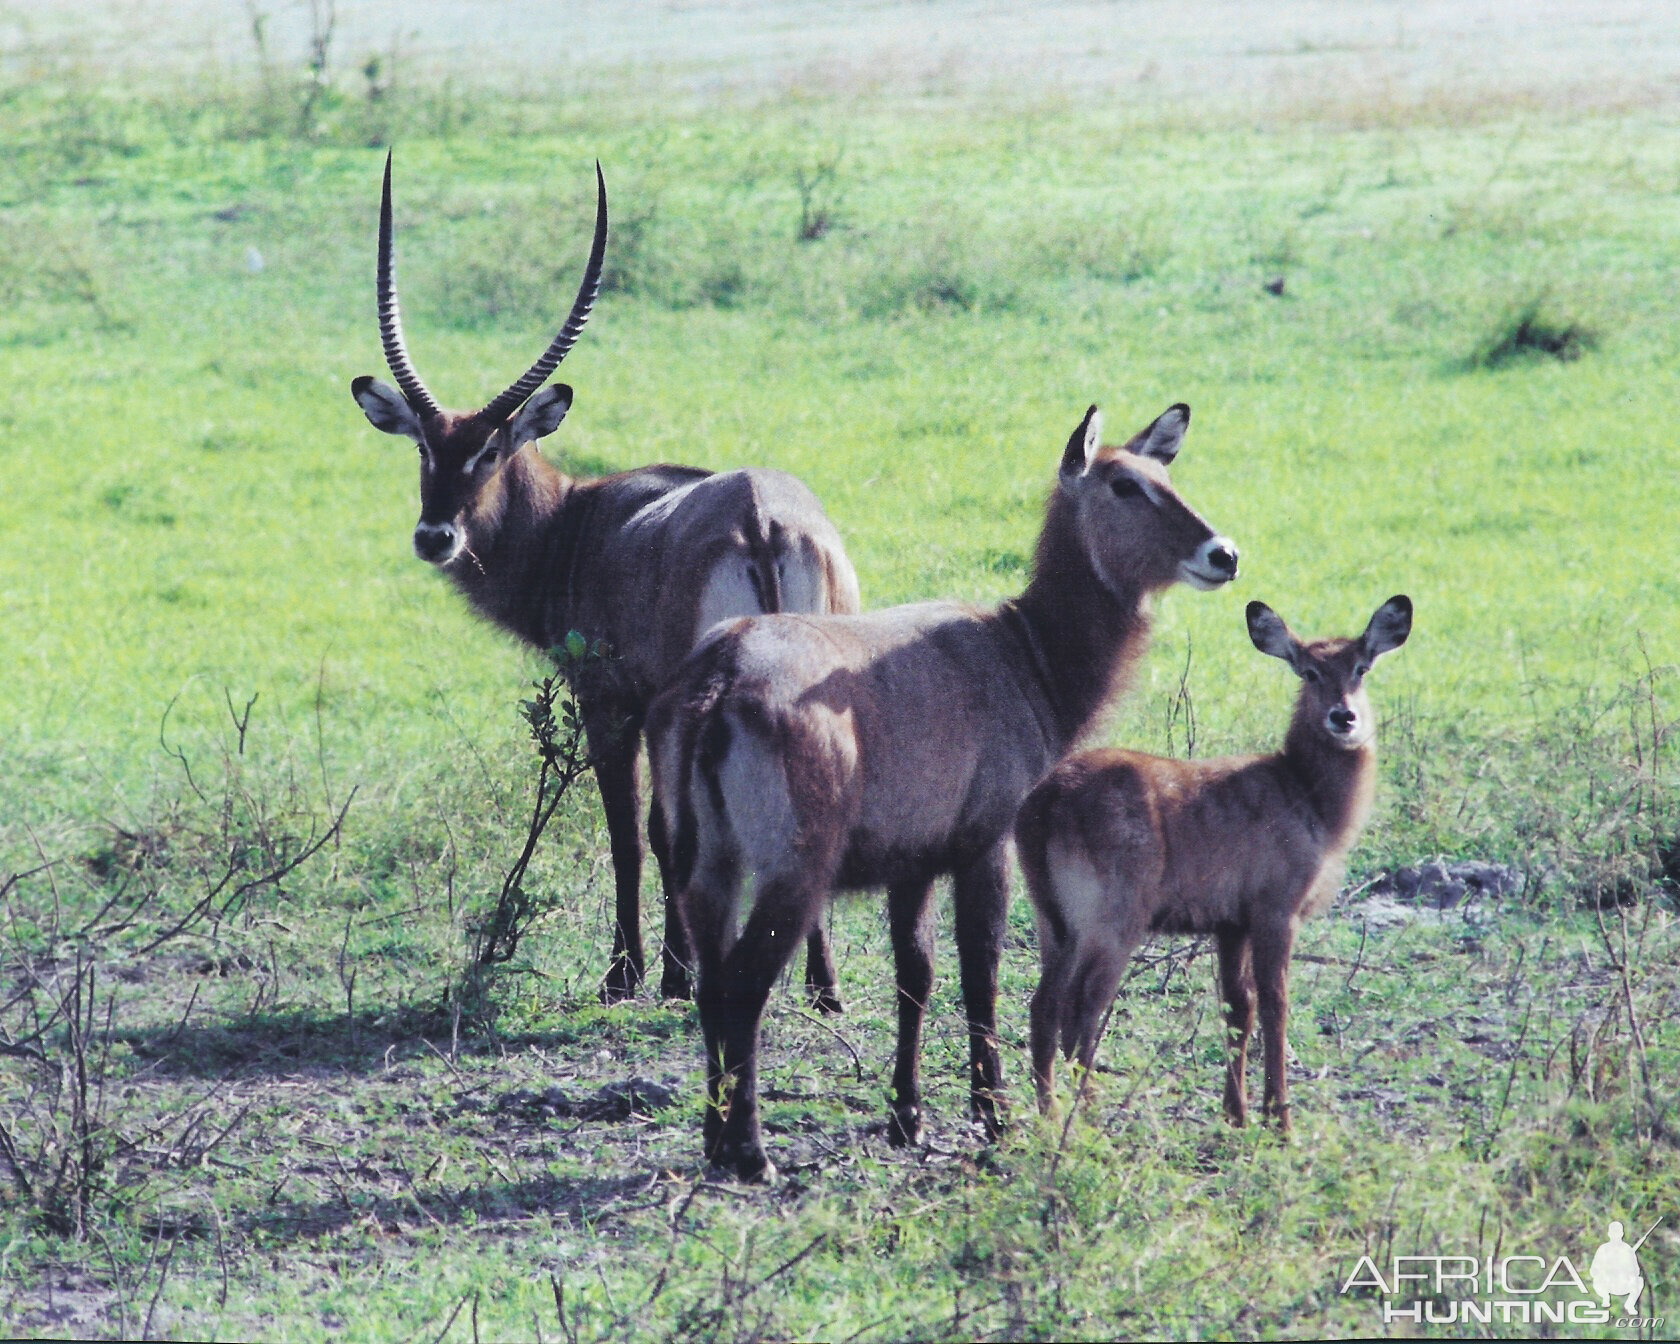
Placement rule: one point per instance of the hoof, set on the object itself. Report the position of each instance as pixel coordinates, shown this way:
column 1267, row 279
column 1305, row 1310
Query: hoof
column 746, row 1164
column 622, row 979
column 904, row 1127
column 990, row 1119
column 825, row 999
column 616, row 992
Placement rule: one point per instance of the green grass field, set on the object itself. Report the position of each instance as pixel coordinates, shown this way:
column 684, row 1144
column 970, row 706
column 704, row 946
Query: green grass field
column 297, row 1125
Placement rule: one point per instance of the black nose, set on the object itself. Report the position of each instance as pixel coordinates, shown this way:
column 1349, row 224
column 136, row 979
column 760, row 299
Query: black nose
column 434, row 541
column 1341, row 719
column 1224, row 559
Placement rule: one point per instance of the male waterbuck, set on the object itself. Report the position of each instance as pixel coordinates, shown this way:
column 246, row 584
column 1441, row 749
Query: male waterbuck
column 813, row 753
column 644, row 560
column 1117, row 845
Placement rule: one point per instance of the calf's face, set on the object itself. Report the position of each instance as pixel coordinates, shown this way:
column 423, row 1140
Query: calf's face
column 1332, row 671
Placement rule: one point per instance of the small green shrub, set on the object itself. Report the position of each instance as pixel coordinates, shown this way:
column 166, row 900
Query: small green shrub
column 1531, row 330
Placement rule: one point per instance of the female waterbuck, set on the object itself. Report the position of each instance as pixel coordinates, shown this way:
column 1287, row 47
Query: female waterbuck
column 1117, row 845
column 644, row 561
column 820, row 752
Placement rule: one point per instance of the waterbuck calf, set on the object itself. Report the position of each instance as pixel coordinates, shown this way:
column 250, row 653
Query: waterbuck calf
column 1117, row 845
column 820, row 752
column 644, row 561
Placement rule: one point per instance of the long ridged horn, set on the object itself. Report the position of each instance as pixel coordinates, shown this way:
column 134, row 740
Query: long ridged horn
column 390, row 319
column 534, row 377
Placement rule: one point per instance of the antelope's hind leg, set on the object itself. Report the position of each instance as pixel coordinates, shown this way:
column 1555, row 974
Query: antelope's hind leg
column 980, row 892
column 822, row 983
column 1047, row 1000
column 733, row 991
column 1236, row 993
column 910, row 916
column 1096, row 980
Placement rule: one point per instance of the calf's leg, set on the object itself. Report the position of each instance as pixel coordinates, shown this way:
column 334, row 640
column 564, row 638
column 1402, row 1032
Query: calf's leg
column 1047, row 1002
column 1272, row 947
column 822, row 985
column 1236, row 992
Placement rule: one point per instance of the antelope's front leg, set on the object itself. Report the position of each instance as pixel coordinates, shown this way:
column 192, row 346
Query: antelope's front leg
column 910, row 917
column 1272, row 948
column 980, row 892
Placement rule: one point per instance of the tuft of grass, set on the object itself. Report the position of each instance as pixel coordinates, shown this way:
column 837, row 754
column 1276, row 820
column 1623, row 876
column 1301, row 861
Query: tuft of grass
column 1533, row 329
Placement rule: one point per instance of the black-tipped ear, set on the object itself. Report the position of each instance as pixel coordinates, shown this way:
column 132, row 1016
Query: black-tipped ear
column 1269, row 634
column 386, row 408
column 1165, row 437
column 540, row 416
column 1082, row 444
column 1389, row 626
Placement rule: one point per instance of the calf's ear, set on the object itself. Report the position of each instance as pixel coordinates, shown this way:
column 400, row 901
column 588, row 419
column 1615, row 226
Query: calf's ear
column 1389, row 626
column 1270, row 634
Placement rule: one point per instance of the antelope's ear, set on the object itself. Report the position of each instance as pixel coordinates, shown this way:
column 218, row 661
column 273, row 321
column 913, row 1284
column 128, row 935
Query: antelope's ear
column 1165, row 437
column 1389, row 626
column 540, row 416
column 386, row 408
column 1270, row 634
column 1082, row 446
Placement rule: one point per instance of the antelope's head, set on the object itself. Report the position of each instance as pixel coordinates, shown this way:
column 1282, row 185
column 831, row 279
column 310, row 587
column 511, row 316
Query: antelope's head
column 462, row 452
column 1137, row 529
column 1332, row 671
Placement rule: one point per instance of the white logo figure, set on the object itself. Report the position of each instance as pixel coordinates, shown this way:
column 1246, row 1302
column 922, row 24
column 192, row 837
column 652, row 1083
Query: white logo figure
column 1615, row 1269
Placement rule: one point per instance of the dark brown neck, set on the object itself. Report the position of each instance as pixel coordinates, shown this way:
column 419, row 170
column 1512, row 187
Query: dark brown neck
column 519, row 536
column 1339, row 781
column 1087, row 637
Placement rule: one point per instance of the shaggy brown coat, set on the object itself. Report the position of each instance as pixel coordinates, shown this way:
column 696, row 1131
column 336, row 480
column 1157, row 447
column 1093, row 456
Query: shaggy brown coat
column 1117, row 845
column 644, row 561
column 817, row 753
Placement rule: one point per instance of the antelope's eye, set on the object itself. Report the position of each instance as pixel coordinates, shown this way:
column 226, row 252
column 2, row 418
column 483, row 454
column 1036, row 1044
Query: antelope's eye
column 1124, row 487
column 1310, row 676
column 1361, row 669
